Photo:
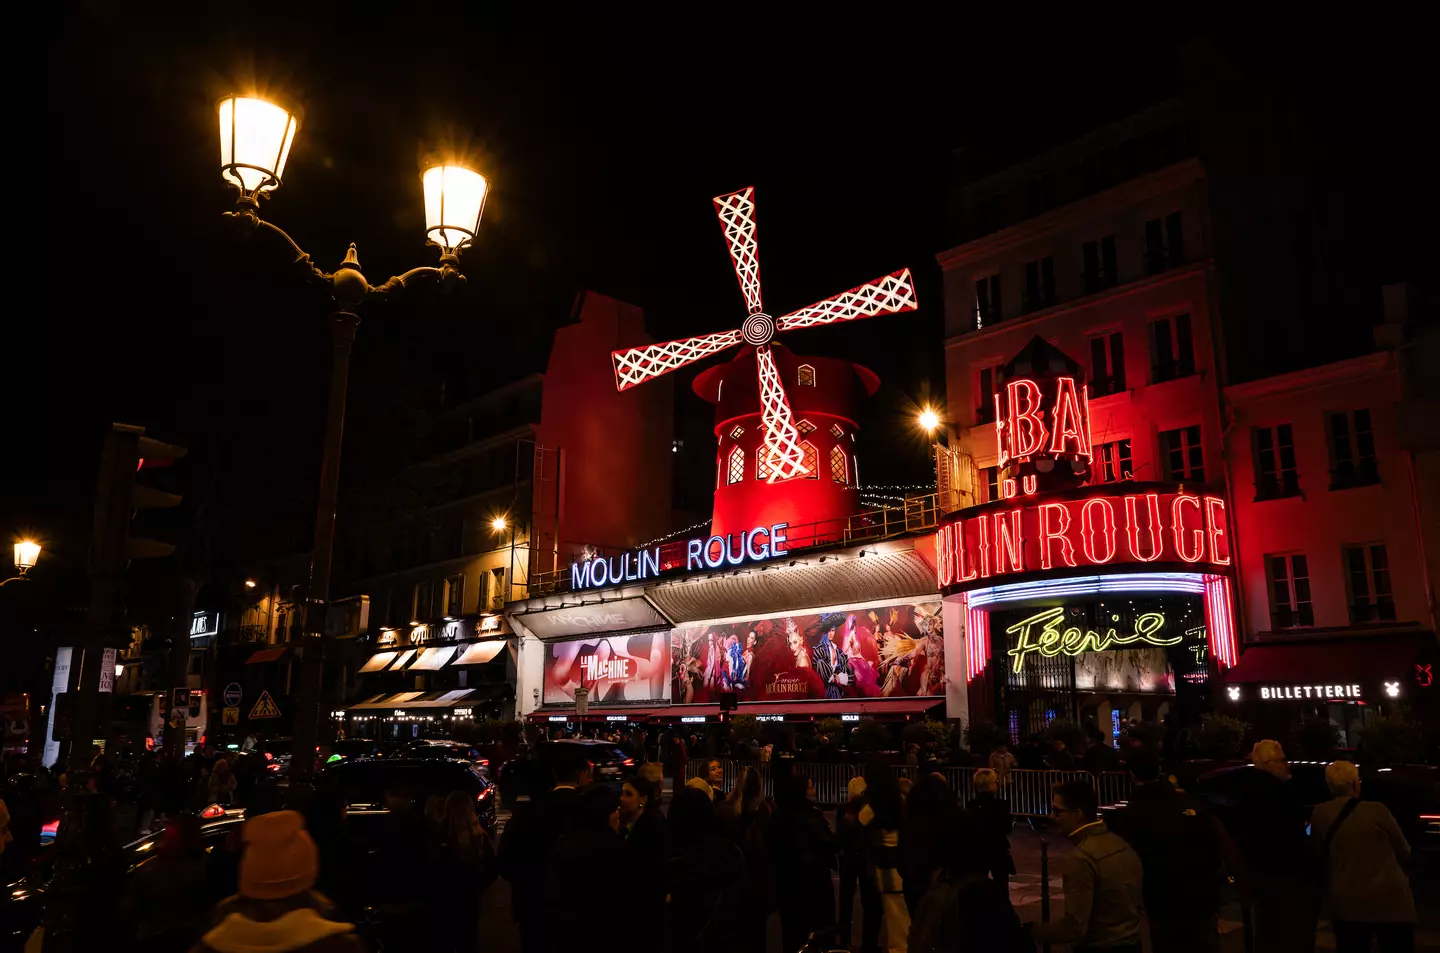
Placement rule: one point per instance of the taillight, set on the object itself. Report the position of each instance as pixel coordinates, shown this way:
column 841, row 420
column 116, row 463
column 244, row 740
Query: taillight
column 213, row 810
column 483, row 762
column 272, row 767
column 52, row 828
column 269, row 756
column 628, row 762
column 483, row 794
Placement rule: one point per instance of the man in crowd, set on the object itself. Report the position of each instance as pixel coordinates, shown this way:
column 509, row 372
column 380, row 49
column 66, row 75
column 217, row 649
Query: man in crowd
column 1102, row 878
column 1269, row 828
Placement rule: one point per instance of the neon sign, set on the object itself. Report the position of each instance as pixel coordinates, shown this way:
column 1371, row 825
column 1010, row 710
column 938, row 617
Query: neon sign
column 1022, row 431
column 1099, row 530
column 1042, row 633
column 614, row 570
column 718, row 551
column 1302, row 692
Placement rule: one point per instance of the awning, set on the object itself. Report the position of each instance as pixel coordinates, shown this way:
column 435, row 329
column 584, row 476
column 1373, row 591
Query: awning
column 378, row 661
column 830, row 708
column 369, row 702
column 388, row 701
column 678, row 712
column 1331, row 661
column 405, row 656
column 432, row 659
column 593, row 714
column 480, row 652
column 267, row 655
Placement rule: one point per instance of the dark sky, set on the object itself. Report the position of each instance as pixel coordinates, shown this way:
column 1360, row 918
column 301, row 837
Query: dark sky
column 604, row 141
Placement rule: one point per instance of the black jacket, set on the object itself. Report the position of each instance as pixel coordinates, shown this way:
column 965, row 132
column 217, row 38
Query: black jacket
column 803, row 852
column 1268, row 825
column 526, row 847
column 707, row 889
column 1179, row 847
column 995, row 821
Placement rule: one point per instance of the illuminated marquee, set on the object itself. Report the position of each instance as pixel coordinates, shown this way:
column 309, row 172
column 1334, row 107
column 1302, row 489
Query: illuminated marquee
column 1042, row 633
column 736, row 548
column 1022, row 537
column 614, row 570
column 1302, row 692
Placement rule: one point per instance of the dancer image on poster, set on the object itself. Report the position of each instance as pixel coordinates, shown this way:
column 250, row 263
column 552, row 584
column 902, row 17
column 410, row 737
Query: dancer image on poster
column 747, row 659
column 796, row 644
column 896, row 657
column 714, row 662
column 832, row 665
column 866, row 678
column 933, row 645
column 734, row 665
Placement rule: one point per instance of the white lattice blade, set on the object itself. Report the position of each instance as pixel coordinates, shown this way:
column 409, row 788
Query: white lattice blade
column 636, row 365
column 889, row 295
column 737, row 221
column 782, row 441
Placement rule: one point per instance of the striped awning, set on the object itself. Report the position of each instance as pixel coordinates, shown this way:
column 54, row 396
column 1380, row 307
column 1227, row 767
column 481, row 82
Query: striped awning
column 480, row 652
column 432, row 659
column 378, row 661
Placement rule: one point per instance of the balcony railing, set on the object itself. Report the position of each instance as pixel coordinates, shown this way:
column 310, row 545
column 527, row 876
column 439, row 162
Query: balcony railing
column 916, row 514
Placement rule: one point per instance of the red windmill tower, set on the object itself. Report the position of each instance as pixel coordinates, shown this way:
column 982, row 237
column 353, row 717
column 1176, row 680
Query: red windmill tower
column 780, row 460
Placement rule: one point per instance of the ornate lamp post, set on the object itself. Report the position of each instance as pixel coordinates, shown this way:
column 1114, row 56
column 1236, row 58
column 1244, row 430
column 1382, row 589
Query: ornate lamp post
column 255, row 140
column 27, row 554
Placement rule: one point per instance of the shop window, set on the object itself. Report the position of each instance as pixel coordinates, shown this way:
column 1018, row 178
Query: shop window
column 987, row 301
column 1100, row 271
column 737, row 433
column 1275, row 473
column 839, row 472
column 1112, row 462
column 736, row 469
column 805, row 376
column 1184, row 457
column 991, row 380
column 812, row 461
column 1107, row 364
column 1290, row 606
column 1172, row 349
column 1039, row 284
column 1370, row 596
column 836, row 431
column 1352, row 450
column 805, row 427
column 455, row 596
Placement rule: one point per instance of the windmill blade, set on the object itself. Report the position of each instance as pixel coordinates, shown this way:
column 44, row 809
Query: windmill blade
column 784, row 454
column 737, row 220
column 636, row 365
column 889, row 295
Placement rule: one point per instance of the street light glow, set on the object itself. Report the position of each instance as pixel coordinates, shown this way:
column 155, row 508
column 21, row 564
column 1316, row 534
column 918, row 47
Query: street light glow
column 929, row 420
column 454, row 200
column 255, row 140
column 499, row 523
column 27, row 554
column 249, row 583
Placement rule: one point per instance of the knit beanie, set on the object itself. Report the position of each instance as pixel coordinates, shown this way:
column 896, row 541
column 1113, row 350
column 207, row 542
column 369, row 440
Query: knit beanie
column 280, row 858
column 856, row 787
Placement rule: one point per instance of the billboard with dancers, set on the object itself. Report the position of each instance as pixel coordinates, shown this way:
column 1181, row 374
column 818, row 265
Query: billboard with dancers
column 890, row 651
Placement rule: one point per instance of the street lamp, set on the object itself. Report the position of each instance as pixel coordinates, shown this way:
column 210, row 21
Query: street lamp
column 498, row 524
column 256, row 137
column 27, row 554
column 929, row 420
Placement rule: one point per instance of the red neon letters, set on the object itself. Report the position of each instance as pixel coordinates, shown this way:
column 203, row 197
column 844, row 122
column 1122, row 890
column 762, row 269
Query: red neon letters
column 1022, row 429
column 1009, row 542
column 1049, row 534
column 1068, row 423
column 1215, row 529
column 1106, row 510
column 1132, row 527
column 1027, row 427
column 1177, row 520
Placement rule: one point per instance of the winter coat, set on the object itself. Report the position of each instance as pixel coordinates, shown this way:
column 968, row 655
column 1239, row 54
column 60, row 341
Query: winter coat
column 299, row 924
column 966, row 914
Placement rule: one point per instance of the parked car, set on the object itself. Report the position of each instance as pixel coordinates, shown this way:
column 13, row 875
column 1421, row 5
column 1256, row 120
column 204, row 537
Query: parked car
column 534, row 772
column 480, row 756
column 366, row 782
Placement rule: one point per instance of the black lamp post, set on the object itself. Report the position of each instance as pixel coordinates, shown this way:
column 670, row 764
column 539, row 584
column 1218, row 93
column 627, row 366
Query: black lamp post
column 255, row 141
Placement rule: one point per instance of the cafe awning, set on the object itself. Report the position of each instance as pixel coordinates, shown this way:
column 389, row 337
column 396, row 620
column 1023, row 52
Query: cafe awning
column 378, row 661
column 404, row 658
column 432, row 659
column 397, row 700
column 267, row 655
column 480, row 652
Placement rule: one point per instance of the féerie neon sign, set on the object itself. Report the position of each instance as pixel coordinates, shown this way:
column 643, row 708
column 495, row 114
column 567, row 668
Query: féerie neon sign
column 1042, row 633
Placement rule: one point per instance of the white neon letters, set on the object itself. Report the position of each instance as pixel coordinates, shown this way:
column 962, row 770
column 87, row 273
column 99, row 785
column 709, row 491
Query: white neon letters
column 753, row 545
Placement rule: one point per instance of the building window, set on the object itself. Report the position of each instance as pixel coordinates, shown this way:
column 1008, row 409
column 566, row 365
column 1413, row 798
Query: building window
column 497, row 590
column 1112, row 462
column 991, row 476
column 736, row 468
column 805, row 376
column 805, row 427
column 992, row 379
column 763, row 469
column 1290, row 592
column 1099, row 259
column 812, row 460
column 1107, row 364
column 1172, row 349
column 1275, row 474
column 1352, row 450
column 455, row 596
column 839, row 472
column 1370, row 596
column 1164, row 243
column 1039, row 284
column 1184, row 457
column 836, row 431
column 987, row 301
column 737, row 433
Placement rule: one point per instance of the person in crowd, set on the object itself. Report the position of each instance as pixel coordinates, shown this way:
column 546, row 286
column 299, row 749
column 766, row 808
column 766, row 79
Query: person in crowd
column 699, row 784
column 1099, row 755
column 529, row 840
column 6, row 838
column 715, row 777
column 929, row 810
column 803, row 849
column 1002, row 762
column 326, row 823
column 961, row 909
column 746, row 817
column 165, row 900
column 1181, row 849
column 704, row 878
column 435, row 814
column 1102, row 879
column 276, row 910
column 994, row 821
column 679, row 757
column 654, row 774
column 850, row 841
column 1268, row 825
column 591, row 844
column 646, row 835
column 881, row 818
column 222, row 783
column 1363, row 853
column 1060, row 757
column 465, row 862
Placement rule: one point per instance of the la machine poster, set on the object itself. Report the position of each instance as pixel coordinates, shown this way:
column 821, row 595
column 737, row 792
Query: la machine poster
column 890, row 651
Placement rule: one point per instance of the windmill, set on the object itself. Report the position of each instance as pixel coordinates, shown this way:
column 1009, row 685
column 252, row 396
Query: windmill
column 891, row 294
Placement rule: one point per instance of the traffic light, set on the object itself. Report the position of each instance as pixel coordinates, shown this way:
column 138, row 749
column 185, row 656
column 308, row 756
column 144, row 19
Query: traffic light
column 119, row 495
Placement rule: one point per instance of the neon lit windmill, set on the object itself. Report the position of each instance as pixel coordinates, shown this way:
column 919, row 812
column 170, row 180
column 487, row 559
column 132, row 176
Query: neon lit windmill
column 891, row 294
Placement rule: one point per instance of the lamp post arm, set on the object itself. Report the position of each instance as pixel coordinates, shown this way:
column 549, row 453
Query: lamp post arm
column 447, row 276
column 299, row 258
column 12, row 579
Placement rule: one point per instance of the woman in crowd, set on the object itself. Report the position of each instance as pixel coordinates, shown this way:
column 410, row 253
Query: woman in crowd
column 705, row 879
column 222, row 783
column 465, row 861
column 590, row 870
column 881, row 817
column 746, row 817
column 929, row 810
column 992, row 813
column 960, row 908
column 804, row 852
column 851, row 840
column 643, row 826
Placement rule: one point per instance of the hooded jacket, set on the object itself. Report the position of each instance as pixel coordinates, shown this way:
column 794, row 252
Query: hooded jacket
column 296, row 924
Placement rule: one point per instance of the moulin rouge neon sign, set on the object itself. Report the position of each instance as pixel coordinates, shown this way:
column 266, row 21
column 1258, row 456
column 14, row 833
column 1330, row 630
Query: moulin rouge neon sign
column 732, row 549
column 1098, row 530
column 1022, row 432
column 1042, row 633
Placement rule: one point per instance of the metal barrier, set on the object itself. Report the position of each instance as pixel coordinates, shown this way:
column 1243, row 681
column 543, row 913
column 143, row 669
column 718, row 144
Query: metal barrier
column 1026, row 790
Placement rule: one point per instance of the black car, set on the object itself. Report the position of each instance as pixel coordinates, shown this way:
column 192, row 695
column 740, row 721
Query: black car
column 534, row 772
column 367, row 782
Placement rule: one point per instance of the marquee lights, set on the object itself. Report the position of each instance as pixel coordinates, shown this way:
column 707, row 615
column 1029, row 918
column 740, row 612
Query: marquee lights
column 1042, row 633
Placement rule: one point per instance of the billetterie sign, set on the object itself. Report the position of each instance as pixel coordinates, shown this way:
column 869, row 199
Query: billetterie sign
column 714, row 552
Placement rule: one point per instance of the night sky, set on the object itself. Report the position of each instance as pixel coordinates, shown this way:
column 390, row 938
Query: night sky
column 604, row 142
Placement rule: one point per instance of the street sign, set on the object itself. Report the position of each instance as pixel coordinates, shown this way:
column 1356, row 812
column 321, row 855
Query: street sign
column 582, row 700
column 265, row 707
column 230, row 716
column 232, row 695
